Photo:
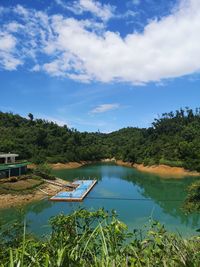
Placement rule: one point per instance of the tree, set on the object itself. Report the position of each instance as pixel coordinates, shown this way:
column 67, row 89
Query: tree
column 30, row 115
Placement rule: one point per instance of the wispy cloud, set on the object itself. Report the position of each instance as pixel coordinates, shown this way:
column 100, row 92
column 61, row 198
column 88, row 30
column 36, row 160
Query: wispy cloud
column 104, row 108
column 59, row 121
column 102, row 11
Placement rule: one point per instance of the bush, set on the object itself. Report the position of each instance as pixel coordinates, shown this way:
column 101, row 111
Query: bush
column 192, row 164
column 149, row 162
column 13, row 179
column 57, row 159
column 171, row 163
column 152, row 162
column 146, row 162
column 97, row 239
column 38, row 159
column 139, row 161
column 192, row 202
column 44, row 171
column 44, row 168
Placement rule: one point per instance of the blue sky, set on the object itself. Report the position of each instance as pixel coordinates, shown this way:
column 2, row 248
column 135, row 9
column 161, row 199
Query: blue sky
column 99, row 65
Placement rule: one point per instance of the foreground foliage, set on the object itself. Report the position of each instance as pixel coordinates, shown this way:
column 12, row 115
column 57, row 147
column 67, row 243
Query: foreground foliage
column 97, row 239
column 173, row 139
column 192, row 202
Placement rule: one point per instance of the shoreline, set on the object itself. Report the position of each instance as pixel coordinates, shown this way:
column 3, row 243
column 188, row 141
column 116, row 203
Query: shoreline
column 62, row 166
column 69, row 165
column 163, row 171
column 75, row 164
column 44, row 191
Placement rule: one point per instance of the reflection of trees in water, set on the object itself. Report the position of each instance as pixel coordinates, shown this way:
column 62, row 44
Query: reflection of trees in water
column 39, row 206
column 169, row 194
column 70, row 175
column 93, row 171
column 12, row 215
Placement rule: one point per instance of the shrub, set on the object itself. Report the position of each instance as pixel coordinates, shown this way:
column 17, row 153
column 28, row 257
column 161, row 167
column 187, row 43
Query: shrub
column 57, row 159
column 192, row 202
column 146, row 162
column 97, row 238
column 149, row 162
column 38, row 159
column 13, row 179
column 44, row 171
column 172, row 163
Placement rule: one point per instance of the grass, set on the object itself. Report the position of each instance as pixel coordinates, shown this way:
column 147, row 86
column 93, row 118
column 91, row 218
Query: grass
column 23, row 184
column 98, row 239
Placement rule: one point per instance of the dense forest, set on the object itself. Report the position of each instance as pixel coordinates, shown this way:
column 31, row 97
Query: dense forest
column 173, row 139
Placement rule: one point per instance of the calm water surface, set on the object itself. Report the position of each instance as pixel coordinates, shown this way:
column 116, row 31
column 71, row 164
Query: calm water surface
column 136, row 197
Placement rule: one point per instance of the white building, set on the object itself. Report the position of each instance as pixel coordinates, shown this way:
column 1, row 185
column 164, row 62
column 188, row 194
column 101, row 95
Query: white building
column 6, row 158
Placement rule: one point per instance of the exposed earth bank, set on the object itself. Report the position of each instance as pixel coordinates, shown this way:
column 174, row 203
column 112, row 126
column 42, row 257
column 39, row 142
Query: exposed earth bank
column 161, row 170
column 74, row 165
column 44, row 191
column 68, row 165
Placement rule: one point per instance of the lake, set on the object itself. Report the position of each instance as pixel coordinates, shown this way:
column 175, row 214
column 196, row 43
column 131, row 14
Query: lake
column 136, row 196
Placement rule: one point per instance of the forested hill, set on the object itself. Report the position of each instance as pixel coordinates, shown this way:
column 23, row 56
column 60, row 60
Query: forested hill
column 173, row 139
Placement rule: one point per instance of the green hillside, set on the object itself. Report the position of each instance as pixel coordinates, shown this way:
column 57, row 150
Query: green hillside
column 173, row 139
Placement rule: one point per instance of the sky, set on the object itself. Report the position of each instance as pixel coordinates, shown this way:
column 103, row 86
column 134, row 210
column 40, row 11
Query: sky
column 99, row 65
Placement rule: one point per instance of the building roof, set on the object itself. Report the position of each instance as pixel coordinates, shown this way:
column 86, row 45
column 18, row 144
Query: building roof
column 4, row 167
column 7, row 155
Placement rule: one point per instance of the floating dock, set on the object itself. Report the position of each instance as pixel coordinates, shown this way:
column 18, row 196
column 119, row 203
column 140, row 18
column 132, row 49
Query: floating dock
column 78, row 194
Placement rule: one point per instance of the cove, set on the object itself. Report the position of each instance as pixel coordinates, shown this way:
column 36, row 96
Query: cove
column 136, row 197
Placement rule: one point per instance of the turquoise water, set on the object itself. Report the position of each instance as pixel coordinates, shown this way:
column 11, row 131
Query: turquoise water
column 136, row 197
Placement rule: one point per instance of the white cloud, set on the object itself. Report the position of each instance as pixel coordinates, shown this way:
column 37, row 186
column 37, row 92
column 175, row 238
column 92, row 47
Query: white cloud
column 55, row 68
column 20, row 10
column 104, row 108
column 7, row 42
column 167, row 48
column 84, row 78
column 8, row 59
column 103, row 11
column 9, row 62
column 14, row 27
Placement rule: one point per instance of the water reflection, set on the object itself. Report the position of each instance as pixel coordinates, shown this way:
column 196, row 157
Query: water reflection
column 169, row 194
